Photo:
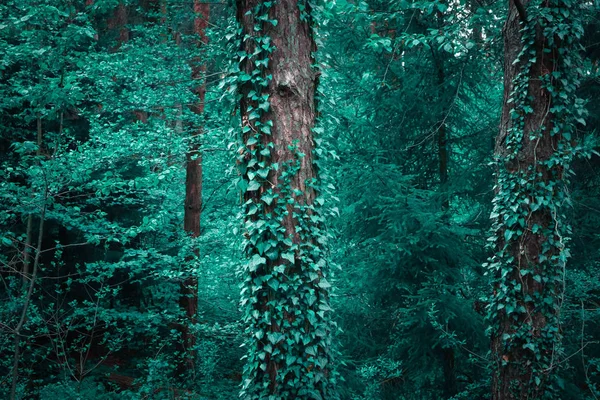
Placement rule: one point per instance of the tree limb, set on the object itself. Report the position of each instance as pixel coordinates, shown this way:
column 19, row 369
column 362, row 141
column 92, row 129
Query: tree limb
column 17, row 331
column 521, row 10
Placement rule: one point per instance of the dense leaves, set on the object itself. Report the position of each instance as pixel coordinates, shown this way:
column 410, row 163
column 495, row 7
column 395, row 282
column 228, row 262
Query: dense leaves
column 384, row 289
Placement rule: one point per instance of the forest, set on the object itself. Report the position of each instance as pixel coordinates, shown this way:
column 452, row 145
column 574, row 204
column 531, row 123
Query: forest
column 299, row 199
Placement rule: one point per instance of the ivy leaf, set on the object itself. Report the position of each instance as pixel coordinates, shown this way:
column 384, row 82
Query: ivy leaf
column 273, row 283
column 324, row 284
column 252, row 186
column 255, row 262
column 275, row 337
column 289, row 256
column 252, row 209
column 263, row 173
column 268, row 198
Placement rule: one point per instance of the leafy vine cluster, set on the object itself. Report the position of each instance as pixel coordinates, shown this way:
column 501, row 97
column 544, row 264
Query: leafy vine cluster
column 530, row 233
column 285, row 291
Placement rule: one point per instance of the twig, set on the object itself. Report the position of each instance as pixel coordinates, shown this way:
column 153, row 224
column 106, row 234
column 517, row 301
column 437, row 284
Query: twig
column 36, row 263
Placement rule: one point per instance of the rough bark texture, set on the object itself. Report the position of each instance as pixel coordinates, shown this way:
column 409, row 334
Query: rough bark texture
column 291, row 92
column 292, row 112
column 514, row 364
column 193, row 181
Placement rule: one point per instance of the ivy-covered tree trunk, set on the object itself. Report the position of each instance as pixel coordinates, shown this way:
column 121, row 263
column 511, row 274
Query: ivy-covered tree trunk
column 285, row 297
column 533, row 152
column 193, row 181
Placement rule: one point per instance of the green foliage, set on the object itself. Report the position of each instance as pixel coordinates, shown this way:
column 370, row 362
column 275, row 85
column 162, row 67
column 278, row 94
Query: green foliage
column 403, row 85
column 528, row 286
column 107, row 175
column 285, row 291
column 402, row 250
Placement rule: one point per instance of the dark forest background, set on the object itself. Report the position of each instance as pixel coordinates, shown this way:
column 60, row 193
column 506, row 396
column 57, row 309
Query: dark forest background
column 104, row 104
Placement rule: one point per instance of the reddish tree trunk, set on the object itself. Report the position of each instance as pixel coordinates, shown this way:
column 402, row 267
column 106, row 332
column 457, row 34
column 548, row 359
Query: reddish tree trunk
column 525, row 276
column 285, row 151
column 291, row 92
column 193, row 181
column 119, row 21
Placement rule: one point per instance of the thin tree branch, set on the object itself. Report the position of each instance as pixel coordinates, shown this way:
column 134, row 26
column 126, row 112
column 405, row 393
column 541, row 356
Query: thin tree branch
column 36, row 263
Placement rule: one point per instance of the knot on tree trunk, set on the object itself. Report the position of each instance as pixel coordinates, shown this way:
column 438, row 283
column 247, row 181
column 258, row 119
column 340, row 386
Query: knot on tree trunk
column 285, row 90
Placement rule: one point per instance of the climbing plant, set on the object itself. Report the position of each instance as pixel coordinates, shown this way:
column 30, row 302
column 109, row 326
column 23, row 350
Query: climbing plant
column 285, row 290
column 534, row 152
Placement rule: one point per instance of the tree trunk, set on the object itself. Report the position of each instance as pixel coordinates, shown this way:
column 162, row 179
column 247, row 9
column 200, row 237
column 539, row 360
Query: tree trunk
column 285, row 296
column 533, row 150
column 119, row 21
column 442, row 130
column 193, row 183
column 29, row 232
column 449, row 363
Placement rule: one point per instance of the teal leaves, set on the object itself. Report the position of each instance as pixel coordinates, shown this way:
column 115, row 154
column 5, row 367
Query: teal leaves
column 255, row 262
column 530, row 231
column 283, row 236
column 289, row 256
column 269, row 197
column 253, row 185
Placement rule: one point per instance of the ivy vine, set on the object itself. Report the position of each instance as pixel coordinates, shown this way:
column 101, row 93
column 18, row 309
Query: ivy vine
column 524, row 310
column 285, row 291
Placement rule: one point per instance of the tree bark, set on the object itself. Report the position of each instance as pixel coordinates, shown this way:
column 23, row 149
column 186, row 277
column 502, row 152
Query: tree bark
column 29, row 232
column 529, row 234
column 193, row 182
column 119, row 21
column 277, row 309
column 291, row 92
